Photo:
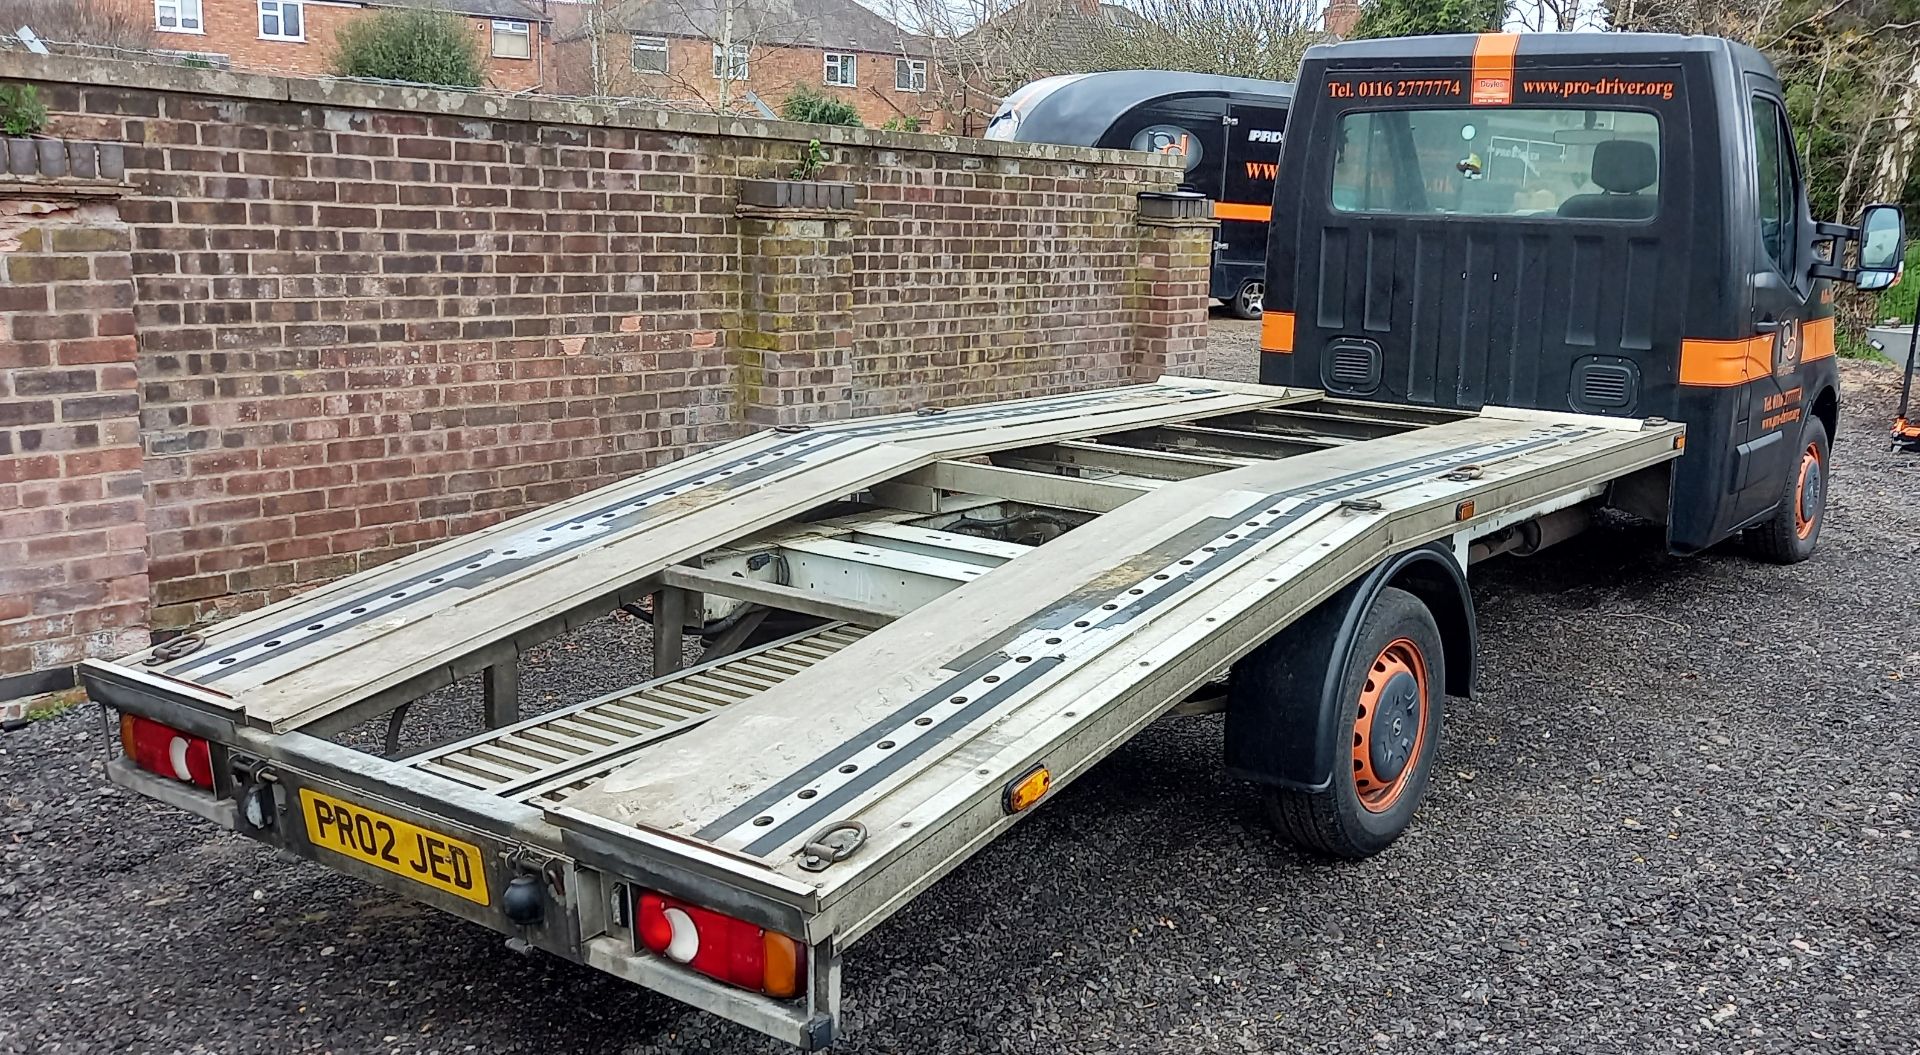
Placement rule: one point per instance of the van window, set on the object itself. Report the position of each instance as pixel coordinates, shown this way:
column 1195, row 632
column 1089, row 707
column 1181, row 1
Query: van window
column 1773, row 169
column 1568, row 162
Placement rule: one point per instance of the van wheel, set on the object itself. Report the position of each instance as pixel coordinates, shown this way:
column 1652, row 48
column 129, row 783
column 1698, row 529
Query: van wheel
column 1793, row 533
column 1394, row 694
column 1246, row 303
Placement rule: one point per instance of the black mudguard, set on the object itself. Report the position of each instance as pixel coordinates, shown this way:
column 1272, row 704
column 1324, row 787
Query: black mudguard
column 1286, row 733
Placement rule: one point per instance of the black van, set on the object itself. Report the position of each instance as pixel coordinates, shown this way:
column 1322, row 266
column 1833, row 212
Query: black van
column 1608, row 223
column 1229, row 128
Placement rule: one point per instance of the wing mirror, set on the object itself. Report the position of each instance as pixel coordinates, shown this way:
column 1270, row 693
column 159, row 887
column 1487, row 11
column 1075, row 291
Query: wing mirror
column 1883, row 247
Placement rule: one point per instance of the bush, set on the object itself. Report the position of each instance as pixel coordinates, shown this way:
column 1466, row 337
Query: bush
column 1413, row 18
column 811, row 107
column 21, row 112
column 1901, row 301
column 901, row 124
column 77, row 25
column 426, row 47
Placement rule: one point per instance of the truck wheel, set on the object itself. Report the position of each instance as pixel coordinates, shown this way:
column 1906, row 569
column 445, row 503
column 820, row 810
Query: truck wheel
column 1394, row 692
column 1246, row 303
column 1794, row 531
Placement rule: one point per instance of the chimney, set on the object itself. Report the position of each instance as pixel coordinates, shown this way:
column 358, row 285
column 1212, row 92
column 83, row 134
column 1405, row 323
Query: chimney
column 1089, row 8
column 1340, row 17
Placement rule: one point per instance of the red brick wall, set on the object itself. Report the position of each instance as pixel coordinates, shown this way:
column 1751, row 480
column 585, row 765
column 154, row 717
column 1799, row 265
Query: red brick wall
column 371, row 318
column 73, row 559
column 232, row 28
column 773, row 73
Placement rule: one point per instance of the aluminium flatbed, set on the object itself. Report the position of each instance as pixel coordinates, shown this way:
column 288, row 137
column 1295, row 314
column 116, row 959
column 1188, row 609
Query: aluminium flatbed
column 981, row 603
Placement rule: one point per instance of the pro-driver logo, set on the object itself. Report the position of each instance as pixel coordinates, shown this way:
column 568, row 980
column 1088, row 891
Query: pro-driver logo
column 1261, row 135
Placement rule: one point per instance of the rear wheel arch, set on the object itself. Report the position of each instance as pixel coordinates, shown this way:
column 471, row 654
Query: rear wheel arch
column 1442, row 586
column 1286, row 707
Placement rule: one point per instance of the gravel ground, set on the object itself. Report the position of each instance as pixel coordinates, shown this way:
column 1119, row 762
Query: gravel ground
column 1679, row 817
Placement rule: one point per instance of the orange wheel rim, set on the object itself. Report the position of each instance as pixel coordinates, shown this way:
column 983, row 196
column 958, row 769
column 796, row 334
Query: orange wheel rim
column 1390, row 725
column 1808, row 492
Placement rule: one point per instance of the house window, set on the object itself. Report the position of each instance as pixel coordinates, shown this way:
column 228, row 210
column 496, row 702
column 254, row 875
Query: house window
column 512, row 40
column 650, row 54
column 178, row 16
column 734, row 69
column 841, row 70
column 910, row 75
column 282, row 20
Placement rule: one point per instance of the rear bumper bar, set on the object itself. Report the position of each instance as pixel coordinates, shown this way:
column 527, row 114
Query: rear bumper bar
column 582, row 918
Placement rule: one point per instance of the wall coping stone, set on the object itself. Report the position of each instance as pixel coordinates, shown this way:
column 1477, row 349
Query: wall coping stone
column 88, row 71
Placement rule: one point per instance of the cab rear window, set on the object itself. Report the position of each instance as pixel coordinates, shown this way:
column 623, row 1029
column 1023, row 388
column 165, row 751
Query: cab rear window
column 1552, row 162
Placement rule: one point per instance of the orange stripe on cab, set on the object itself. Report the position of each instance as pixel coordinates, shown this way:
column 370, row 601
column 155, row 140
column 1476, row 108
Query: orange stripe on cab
column 1493, row 68
column 1276, row 332
column 1723, row 364
column 1816, row 339
column 1233, row 210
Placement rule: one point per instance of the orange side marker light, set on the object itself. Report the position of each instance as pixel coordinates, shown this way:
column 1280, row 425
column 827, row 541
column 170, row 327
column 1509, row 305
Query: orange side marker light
column 1027, row 790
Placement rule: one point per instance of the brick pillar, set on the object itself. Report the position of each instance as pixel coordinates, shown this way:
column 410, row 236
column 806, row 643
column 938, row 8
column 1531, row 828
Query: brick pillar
column 73, row 558
column 793, row 346
column 1170, row 289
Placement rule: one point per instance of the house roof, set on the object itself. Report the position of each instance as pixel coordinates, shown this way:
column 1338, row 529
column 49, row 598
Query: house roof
column 518, row 10
column 794, row 23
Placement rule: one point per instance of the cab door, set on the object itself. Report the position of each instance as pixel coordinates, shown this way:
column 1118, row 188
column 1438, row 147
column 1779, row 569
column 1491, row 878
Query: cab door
column 1780, row 292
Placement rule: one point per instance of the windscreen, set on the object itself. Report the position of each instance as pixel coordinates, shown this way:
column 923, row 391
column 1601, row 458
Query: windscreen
column 1548, row 162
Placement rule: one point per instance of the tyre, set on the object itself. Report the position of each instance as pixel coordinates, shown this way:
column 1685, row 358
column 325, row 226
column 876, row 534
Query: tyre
column 1393, row 701
column 1793, row 533
column 1246, row 303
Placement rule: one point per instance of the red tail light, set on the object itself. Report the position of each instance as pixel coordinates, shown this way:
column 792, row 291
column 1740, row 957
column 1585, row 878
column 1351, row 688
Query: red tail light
column 167, row 751
column 733, row 951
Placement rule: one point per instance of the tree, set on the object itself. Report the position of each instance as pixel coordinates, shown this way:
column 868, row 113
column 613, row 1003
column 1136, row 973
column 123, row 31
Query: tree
column 659, row 50
column 1415, row 18
column 1851, row 70
column 1243, row 38
column 810, row 107
column 979, row 50
column 410, row 44
column 1558, row 16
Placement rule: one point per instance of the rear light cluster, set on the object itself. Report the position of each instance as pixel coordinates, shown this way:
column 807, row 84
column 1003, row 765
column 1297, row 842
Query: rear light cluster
column 167, row 751
column 733, row 951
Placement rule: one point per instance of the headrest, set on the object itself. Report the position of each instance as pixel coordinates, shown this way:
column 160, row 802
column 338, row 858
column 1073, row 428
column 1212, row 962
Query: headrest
column 1624, row 166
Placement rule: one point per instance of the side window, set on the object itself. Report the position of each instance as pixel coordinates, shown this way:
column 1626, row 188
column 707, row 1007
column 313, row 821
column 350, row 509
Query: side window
column 1773, row 176
column 1790, row 194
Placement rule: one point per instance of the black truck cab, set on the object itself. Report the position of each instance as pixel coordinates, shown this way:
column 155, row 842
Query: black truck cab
column 1229, row 129
column 1606, row 223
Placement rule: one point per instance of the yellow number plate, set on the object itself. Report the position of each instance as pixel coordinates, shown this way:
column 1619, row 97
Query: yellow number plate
column 439, row 861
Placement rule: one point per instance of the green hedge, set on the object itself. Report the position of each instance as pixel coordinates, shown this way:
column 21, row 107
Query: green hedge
column 811, row 107
column 1899, row 302
column 425, row 47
